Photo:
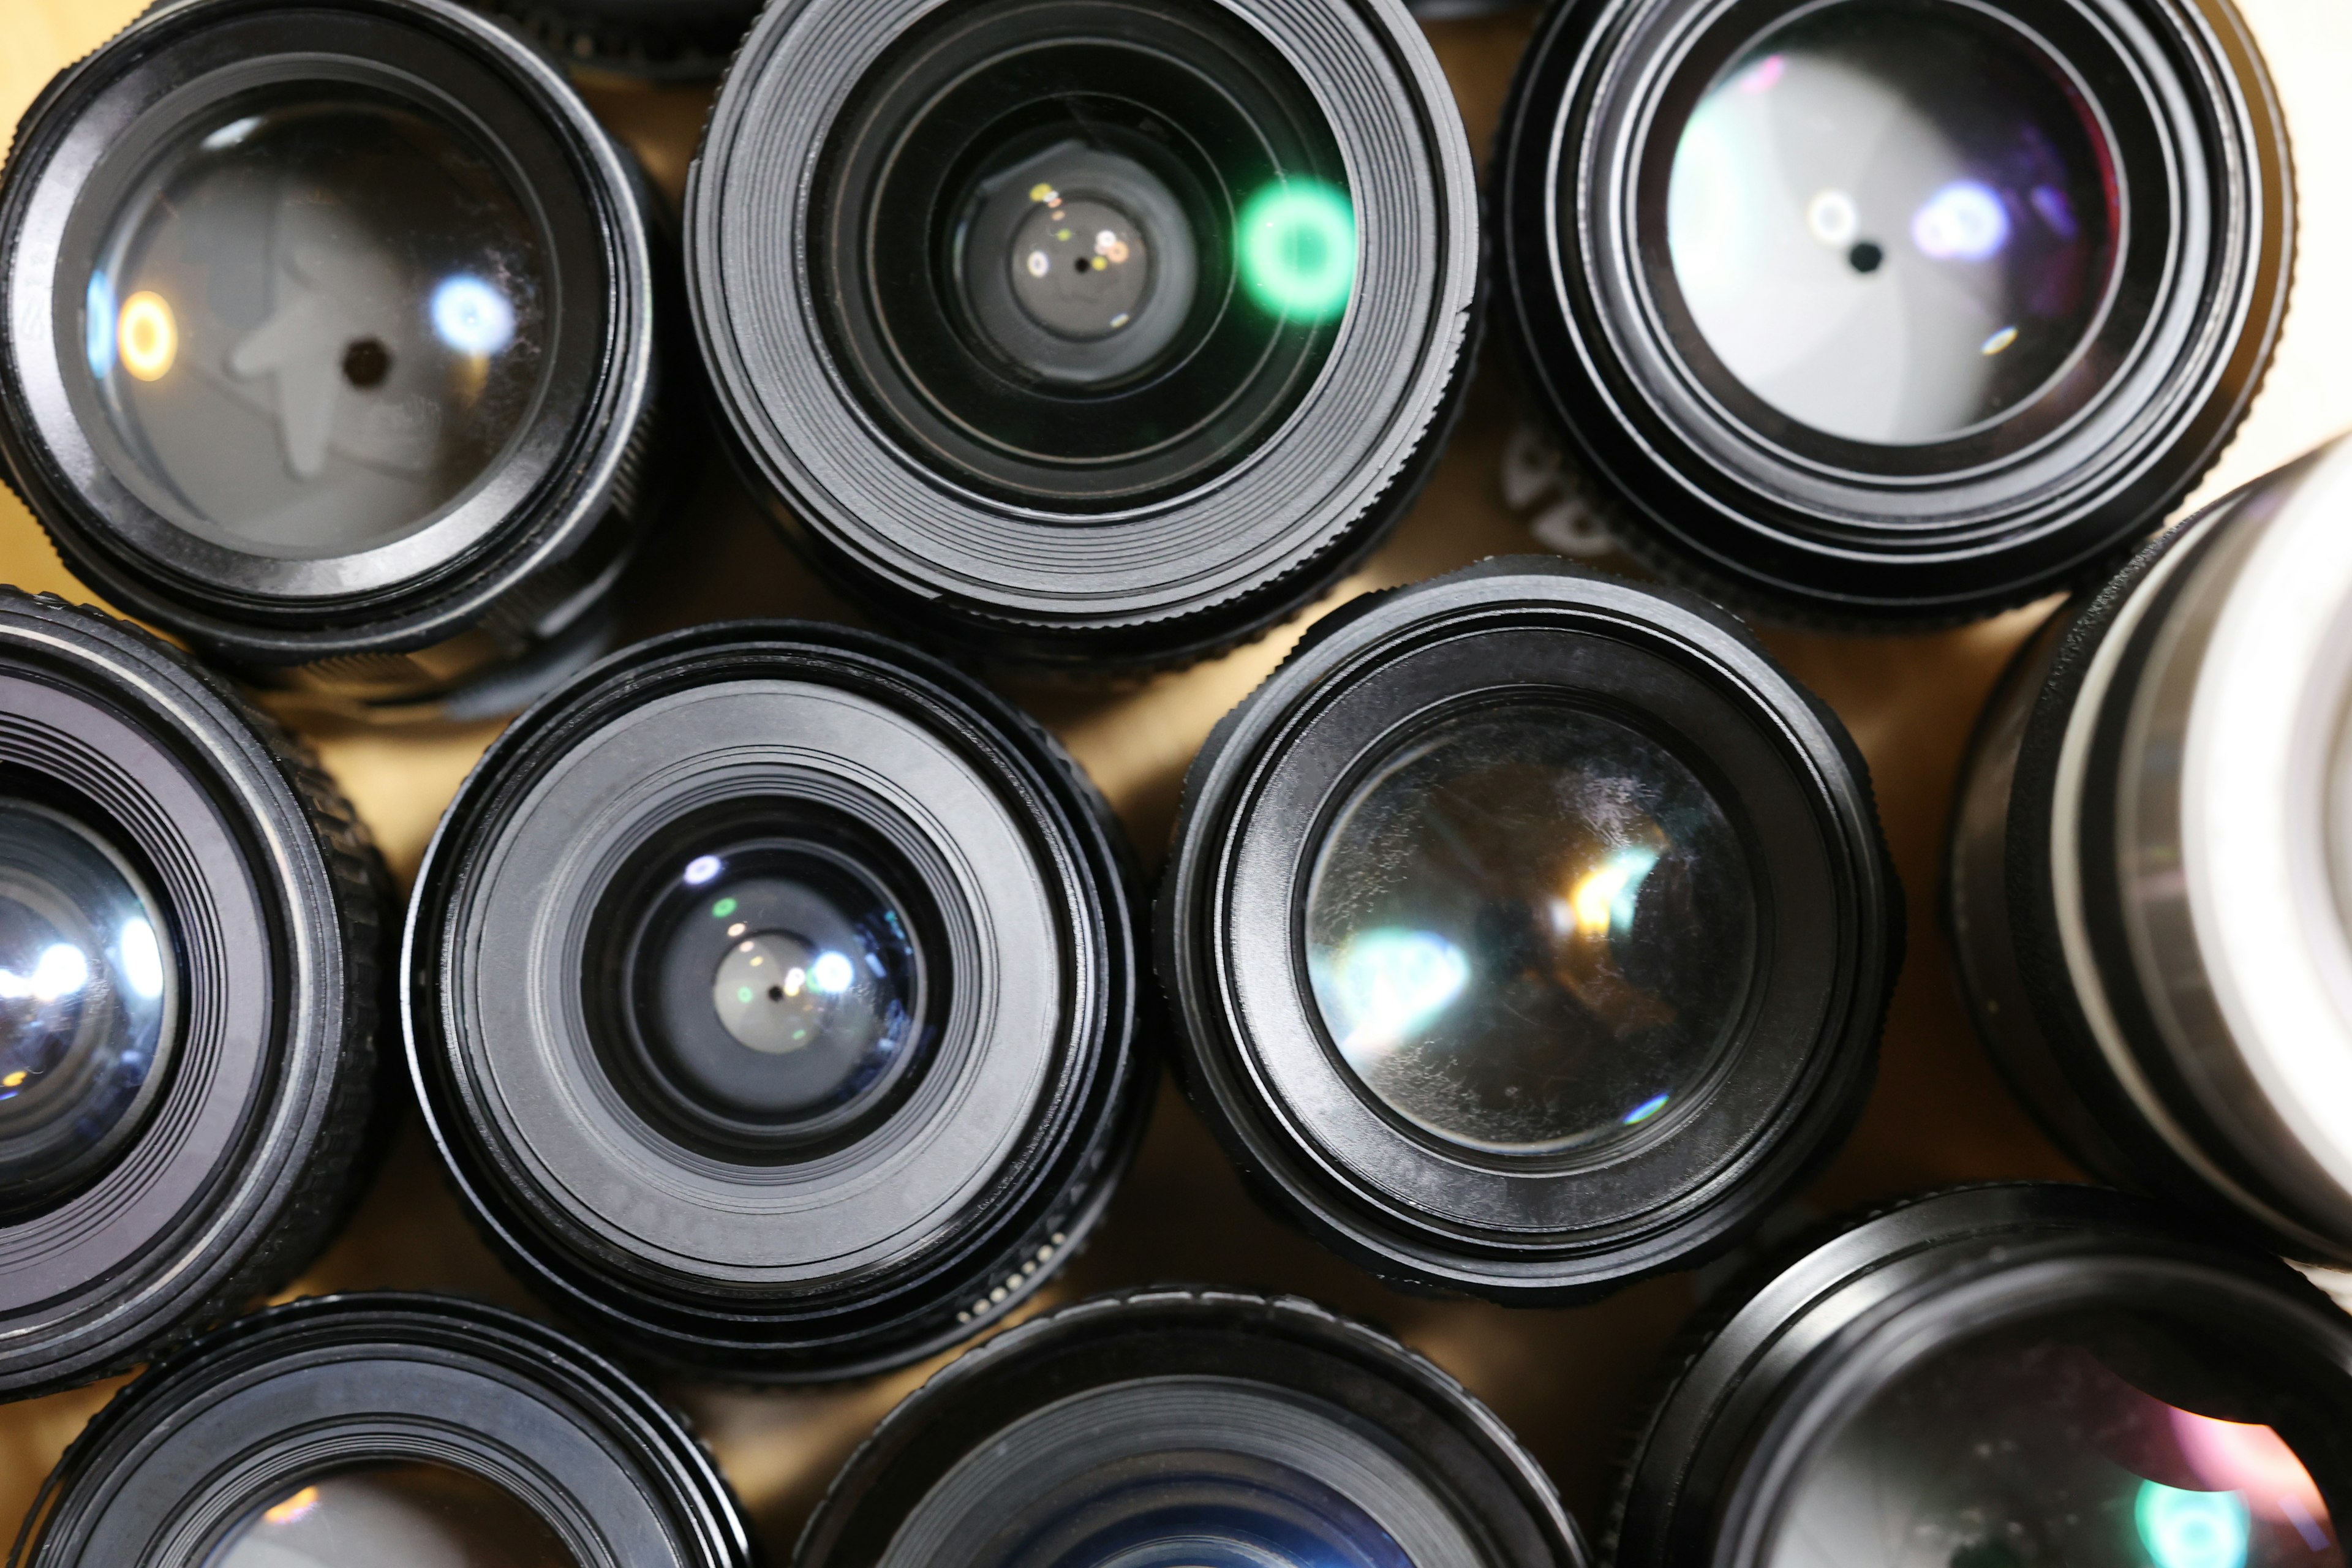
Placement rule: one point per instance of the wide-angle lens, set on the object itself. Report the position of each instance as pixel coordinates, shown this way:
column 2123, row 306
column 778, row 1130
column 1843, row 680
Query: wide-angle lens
column 348, row 385
column 191, row 947
column 1529, row 932
column 1893, row 310
column 774, row 1002
column 386, row 1431
column 2145, row 866
column 1112, row 338
column 1175, row 1429
column 2002, row 1376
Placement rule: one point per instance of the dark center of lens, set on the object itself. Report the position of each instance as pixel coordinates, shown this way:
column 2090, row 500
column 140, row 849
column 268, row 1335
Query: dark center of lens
column 1080, row 267
column 1892, row 222
column 1530, row 929
column 402, row 1515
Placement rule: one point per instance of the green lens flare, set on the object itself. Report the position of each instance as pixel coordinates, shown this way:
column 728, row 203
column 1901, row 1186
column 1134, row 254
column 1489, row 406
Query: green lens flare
column 1299, row 249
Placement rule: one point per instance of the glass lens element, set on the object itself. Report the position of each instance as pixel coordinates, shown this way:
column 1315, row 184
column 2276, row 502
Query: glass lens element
column 2032, row 1446
column 1530, row 930
column 316, row 322
column 407, row 1515
column 87, row 984
column 1891, row 222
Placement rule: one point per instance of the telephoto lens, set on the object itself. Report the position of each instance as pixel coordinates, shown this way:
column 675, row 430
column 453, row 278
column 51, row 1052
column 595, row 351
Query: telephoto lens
column 1997, row 1377
column 1191, row 1429
column 773, row 995
column 193, row 943
column 1530, row 931
column 1880, row 312
column 1084, row 333
column 2151, row 865
column 384, row 1431
column 661, row 40
column 330, row 347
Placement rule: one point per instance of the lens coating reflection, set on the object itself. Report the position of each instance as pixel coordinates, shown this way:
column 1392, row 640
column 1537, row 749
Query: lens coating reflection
column 1891, row 222
column 1530, row 929
column 405, row 1515
column 315, row 321
column 87, row 980
column 2032, row 1446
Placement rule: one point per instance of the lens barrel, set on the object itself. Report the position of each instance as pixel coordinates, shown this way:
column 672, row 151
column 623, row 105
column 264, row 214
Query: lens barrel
column 2148, row 871
column 1892, row 311
column 660, row 40
column 1530, row 931
column 1166, row 1428
column 1996, row 1375
column 385, row 1430
column 1120, row 329
column 333, row 348
column 192, row 937
column 772, row 994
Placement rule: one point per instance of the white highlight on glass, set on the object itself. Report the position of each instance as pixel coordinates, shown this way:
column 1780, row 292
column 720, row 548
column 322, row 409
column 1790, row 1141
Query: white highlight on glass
column 142, row 958
column 1964, row 221
column 60, row 971
column 701, row 869
column 471, row 316
column 1832, row 217
column 1382, row 983
column 229, row 135
column 832, row 973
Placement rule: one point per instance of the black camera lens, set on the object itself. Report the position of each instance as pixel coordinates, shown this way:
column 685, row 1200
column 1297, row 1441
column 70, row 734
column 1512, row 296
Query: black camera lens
column 659, row 40
column 773, row 995
column 1191, row 1429
column 335, row 346
column 192, row 941
column 386, row 1431
column 2148, row 876
column 1120, row 329
column 2002, row 1376
column 1893, row 309
column 1530, row 931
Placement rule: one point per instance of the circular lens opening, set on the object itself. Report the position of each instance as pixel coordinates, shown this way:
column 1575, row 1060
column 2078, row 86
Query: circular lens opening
column 774, row 984
column 1530, row 929
column 2096, row 1439
column 317, row 319
column 89, row 980
column 410, row 1514
column 1893, row 222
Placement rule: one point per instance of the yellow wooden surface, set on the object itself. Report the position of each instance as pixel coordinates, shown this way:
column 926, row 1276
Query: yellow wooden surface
column 1567, row 1381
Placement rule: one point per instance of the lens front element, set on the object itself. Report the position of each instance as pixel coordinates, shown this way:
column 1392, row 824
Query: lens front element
column 410, row 1514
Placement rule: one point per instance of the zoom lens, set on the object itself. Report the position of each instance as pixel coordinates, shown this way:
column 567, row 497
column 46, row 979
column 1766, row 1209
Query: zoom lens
column 1120, row 329
column 1530, row 931
column 661, row 40
column 773, row 995
column 2148, row 882
column 1181, row 1429
column 2001, row 1376
column 1893, row 309
column 386, row 1431
column 191, row 945
column 334, row 351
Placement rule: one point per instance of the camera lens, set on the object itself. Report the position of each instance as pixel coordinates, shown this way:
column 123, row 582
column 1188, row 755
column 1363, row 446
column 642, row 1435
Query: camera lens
column 2146, row 889
column 773, row 997
column 191, row 945
column 386, row 1431
column 1120, row 329
column 660, row 40
column 1191, row 1429
column 1530, row 931
column 335, row 349
column 2001, row 1376
column 1893, row 310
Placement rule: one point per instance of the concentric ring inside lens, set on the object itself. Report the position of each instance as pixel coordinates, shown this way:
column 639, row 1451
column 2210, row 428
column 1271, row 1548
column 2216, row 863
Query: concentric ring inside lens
column 87, row 984
column 316, row 321
column 1893, row 221
column 406, row 1514
column 2096, row 1442
column 1530, row 929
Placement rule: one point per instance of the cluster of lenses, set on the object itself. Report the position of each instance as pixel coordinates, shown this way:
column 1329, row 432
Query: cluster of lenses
column 784, row 1004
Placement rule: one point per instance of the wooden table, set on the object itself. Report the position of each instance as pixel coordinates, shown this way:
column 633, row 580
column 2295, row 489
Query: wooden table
column 1568, row 1381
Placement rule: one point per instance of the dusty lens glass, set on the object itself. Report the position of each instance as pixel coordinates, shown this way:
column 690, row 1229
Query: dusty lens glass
column 1530, row 929
column 2094, row 1442
column 401, row 1515
column 87, row 983
column 316, row 321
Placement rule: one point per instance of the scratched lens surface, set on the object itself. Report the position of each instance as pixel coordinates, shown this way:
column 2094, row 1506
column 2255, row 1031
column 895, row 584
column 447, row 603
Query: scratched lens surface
column 1530, row 930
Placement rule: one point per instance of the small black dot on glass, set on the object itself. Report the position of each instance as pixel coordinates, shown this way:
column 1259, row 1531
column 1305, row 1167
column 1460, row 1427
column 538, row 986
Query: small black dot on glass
column 1865, row 257
column 775, row 993
column 366, row 363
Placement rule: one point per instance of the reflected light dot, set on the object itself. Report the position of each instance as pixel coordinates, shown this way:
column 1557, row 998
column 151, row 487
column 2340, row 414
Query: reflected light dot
column 1965, row 221
column 229, row 135
column 1832, row 217
column 1382, row 983
column 832, row 973
column 701, row 869
column 293, row 1508
column 147, row 337
column 61, row 972
column 1646, row 1110
column 722, row 909
column 143, row 959
column 1605, row 898
column 2191, row 1529
column 472, row 317
column 1299, row 249
column 98, row 306
column 1998, row 342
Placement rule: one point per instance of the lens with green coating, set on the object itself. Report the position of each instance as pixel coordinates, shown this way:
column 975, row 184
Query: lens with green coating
column 1298, row 249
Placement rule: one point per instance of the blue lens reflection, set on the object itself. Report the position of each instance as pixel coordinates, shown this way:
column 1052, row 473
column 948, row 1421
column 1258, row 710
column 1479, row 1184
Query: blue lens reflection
column 2193, row 1529
column 1964, row 221
column 1380, row 984
column 472, row 317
